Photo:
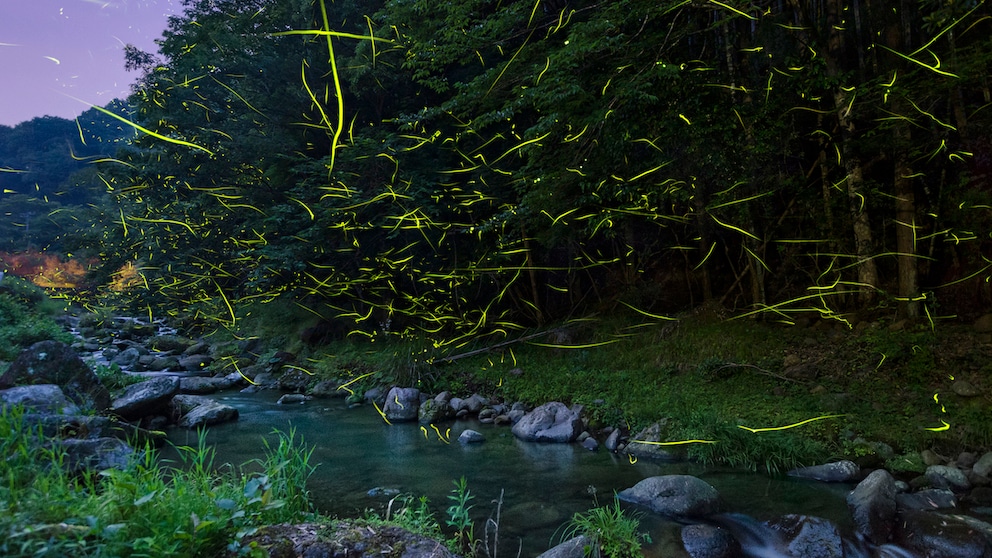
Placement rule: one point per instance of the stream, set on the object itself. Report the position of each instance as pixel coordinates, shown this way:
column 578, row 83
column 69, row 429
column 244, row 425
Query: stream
column 355, row 451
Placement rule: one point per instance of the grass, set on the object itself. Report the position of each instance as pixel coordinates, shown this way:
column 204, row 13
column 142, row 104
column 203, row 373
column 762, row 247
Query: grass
column 146, row 509
column 612, row 532
column 26, row 317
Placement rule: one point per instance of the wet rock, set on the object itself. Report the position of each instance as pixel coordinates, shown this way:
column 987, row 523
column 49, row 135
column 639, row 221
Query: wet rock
column 402, row 404
column 208, row 414
column 145, row 398
column 576, row 547
column 198, row 348
column 674, row 496
column 644, row 444
column 170, row 343
column 474, row 403
column 127, row 358
column 943, row 476
column 198, row 385
column 809, row 537
column 590, row 444
column 343, row 538
column 292, row 399
column 937, row 535
column 552, row 422
column 469, row 436
column 873, row 506
column 53, row 362
column 433, row 410
column 984, row 465
column 195, row 362
column 709, row 541
column 839, row 471
column 296, row 381
column 613, row 441
column 43, row 398
column 927, row 500
column 161, row 363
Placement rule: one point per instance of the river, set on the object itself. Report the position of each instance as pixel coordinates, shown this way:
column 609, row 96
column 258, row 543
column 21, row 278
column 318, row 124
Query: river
column 542, row 484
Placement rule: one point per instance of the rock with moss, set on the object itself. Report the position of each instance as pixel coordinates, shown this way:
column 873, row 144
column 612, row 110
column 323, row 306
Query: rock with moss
column 647, row 443
column 54, row 362
column 552, row 422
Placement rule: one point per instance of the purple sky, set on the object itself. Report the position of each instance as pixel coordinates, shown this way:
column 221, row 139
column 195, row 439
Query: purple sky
column 53, row 48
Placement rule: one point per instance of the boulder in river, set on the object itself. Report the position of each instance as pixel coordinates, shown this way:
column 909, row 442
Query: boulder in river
column 469, row 436
column 551, row 422
column 208, row 413
column 145, row 398
column 873, row 506
column 709, row 541
column 54, row 362
column 674, row 496
column 576, row 547
column 938, row 535
column 402, row 404
column 838, row 471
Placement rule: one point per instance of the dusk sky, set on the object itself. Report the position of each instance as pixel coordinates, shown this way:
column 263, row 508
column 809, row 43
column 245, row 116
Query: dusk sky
column 54, row 50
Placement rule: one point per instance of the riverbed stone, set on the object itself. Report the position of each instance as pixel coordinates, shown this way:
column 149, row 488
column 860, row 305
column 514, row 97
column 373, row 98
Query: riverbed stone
column 613, row 441
column 646, row 443
column 54, row 362
column 873, row 506
column 552, row 422
column 709, row 541
column 433, row 411
column 161, row 363
column 293, row 399
column 927, row 500
column 342, row 538
column 944, row 476
column 195, row 362
column 208, row 414
column 674, row 496
column 201, row 385
column 590, row 444
column 984, row 465
column 838, row 471
column 170, row 343
column 939, row 535
column 128, row 357
column 402, row 404
column 469, row 436
column 145, row 398
column 809, row 537
column 42, row 398
column 576, row 547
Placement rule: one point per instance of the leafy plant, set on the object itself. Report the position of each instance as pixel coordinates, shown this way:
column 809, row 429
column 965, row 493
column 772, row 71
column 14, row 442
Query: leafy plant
column 612, row 532
column 458, row 516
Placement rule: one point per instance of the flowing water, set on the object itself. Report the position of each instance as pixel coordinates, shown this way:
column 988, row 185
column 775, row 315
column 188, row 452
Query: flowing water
column 542, row 484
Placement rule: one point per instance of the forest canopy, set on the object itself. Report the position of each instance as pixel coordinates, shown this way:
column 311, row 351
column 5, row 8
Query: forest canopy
column 458, row 169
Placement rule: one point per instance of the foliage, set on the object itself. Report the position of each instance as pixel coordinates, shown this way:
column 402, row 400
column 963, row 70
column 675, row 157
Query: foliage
column 25, row 318
column 143, row 509
column 113, row 378
column 459, row 518
column 612, row 532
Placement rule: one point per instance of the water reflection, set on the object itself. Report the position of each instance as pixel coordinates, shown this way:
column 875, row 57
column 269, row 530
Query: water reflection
column 543, row 484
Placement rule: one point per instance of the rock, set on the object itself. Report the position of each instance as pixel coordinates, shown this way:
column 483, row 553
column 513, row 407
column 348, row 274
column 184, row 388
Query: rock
column 515, row 416
column 937, row 535
column 208, row 414
column 983, row 466
column 873, row 506
column 197, row 385
column 96, row 454
column 931, row 458
column 161, row 364
column 42, row 398
column 487, row 415
column 128, row 357
column 170, row 343
column 552, row 422
column 576, row 547
column 402, row 404
column 943, row 476
column 927, row 500
column 194, row 362
column 297, row 381
column 432, row 411
column 674, row 496
column 469, row 436
column 53, row 362
column 643, row 444
column 590, row 444
column 839, row 471
column 965, row 388
column 293, row 399
column 809, row 537
column 90, row 427
column 475, row 403
column 709, row 541
column 328, row 388
column 613, row 441
column 145, row 398
column 984, row 324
